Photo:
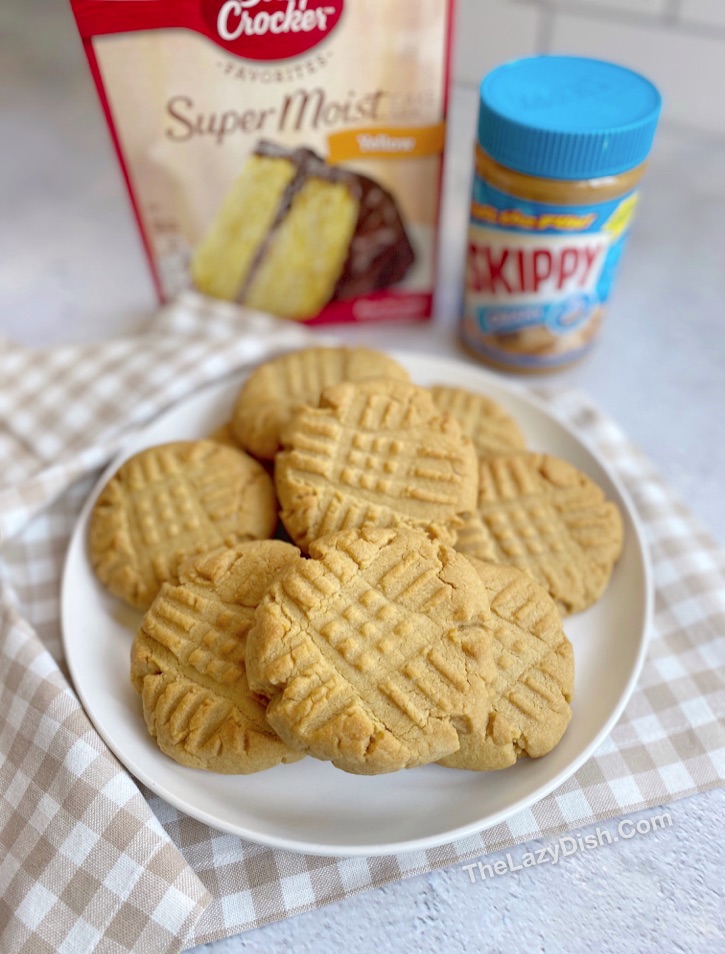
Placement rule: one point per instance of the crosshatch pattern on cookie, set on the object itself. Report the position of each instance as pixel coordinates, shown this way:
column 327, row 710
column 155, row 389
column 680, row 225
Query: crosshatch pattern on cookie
column 172, row 501
column 492, row 430
column 188, row 662
column 374, row 651
column 377, row 453
column 534, row 681
column 280, row 388
column 543, row 516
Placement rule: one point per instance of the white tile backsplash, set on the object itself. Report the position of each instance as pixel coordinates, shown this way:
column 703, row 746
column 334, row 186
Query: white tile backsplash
column 637, row 7
column 489, row 32
column 706, row 12
column 689, row 69
column 679, row 44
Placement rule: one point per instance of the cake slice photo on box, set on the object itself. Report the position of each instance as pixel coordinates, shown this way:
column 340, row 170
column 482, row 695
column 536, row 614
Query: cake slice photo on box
column 294, row 233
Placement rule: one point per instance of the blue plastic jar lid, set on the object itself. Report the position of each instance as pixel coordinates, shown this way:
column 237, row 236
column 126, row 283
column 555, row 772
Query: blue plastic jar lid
column 567, row 117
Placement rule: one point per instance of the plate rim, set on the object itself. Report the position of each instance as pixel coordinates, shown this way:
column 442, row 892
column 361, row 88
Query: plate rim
column 411, row 844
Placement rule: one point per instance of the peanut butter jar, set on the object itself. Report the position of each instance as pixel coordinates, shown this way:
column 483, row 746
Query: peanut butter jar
column 562, row 144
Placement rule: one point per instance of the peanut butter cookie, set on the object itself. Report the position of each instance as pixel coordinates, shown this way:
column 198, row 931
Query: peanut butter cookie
column 534, row 681
column 375, row 653
column 277, row 389
column 376, row 453
column 542, row 515
column 188, row 662
column 170, row 502
column 492, row 430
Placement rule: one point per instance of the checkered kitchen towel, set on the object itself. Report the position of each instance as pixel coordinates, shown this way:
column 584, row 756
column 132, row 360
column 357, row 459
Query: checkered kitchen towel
column 89, row 860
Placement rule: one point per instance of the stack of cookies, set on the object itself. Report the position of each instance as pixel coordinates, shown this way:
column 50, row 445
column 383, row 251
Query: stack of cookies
column 409, row 611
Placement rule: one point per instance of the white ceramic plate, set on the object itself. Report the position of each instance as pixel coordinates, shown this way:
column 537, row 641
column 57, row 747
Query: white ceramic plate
column 311, row 806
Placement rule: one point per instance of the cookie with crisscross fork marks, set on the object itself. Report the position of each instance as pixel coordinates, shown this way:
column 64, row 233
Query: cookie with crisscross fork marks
column 375, row 453
column 534, row 681
column 172, row 501
column 492, row 430
column 544, row 516
column 188, row 661
column 277, row 389
column 375, row 653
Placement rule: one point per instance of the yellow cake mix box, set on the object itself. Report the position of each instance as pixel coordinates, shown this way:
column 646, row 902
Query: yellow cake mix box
column 285, row 154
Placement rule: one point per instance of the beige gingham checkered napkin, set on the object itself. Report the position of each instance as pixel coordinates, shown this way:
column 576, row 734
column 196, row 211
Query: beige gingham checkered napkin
column 90, row 860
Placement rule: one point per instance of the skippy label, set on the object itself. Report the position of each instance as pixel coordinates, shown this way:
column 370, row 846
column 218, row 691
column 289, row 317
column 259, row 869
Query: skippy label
column 538, row 275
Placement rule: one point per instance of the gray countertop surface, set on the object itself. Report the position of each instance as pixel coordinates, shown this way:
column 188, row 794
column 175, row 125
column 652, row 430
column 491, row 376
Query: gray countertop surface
column 71, row 269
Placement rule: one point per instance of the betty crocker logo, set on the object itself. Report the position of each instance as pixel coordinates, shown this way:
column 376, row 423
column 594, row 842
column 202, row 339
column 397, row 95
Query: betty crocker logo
column 271, row 29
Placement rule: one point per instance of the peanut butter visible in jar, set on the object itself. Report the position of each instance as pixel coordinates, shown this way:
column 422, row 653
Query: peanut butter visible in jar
column 561, row 150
